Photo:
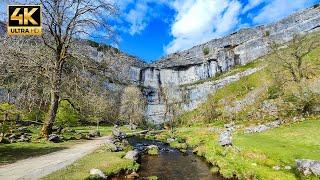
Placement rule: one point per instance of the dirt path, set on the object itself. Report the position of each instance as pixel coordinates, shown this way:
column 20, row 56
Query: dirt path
column 37, row 167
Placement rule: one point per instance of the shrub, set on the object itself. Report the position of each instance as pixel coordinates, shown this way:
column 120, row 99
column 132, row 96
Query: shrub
column 35, row 115
column 206, row 51
column 274, row 92
column 8, row 111
column 267, row 33
column 316, row 5
column 66, row 115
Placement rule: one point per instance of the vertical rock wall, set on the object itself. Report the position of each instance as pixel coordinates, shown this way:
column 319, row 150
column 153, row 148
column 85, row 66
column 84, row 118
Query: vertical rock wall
column 190, row 66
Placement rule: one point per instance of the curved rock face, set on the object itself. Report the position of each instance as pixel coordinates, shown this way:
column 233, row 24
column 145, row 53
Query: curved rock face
column 177, row 71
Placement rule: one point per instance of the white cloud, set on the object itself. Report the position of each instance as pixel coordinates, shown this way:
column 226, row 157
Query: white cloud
column 137, row 18
column 139, row 15
column 278, row 9
column 198, row 21
column 252, row 4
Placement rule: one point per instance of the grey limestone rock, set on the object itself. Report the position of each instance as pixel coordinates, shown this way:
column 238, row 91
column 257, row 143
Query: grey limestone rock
column 308, row 167
column 133, row 155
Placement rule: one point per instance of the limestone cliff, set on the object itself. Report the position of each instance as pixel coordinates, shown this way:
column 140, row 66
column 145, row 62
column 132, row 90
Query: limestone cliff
column 179, row 72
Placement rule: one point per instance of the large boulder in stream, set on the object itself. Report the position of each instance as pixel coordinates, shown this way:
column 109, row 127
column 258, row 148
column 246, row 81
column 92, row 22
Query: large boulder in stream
column 133, row 155
column 308, row 167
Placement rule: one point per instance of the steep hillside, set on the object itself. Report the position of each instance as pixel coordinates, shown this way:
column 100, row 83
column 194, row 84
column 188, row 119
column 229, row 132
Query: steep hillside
column 258, row 96
column 207, row 61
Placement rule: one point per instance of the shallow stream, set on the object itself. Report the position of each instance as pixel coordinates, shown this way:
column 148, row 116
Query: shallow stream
column 170, row 163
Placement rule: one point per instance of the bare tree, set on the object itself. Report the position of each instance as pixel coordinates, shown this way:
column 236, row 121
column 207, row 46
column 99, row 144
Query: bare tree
column 63, row 21
column 290, row 60
column 295, row 65
column 132, row 105
column 59, row 63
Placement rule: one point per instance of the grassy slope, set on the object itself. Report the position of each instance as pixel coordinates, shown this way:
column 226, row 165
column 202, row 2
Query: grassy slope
column 259, row 153
column 10, row 153
column 238, row 90
column 109, row 162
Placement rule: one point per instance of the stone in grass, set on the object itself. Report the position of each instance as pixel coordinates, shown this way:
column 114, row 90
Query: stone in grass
column 133, row 155
column 96, row 174
column 277, row 168
column 287, row 168
column 23, row 130
column 170, row 140
column 225, row 139
column 308, row 167
column 153, row 150
column 55, row 138
column 93, row 134
column 110, row 146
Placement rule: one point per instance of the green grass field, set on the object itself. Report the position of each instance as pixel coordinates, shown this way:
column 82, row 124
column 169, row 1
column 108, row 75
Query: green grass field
column 259, row 153
column 10, row 153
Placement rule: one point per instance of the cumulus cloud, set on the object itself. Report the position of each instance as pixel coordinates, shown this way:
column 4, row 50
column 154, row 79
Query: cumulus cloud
column 252, row 4
column 198, row 21
column 137, row 18
column 139, row 15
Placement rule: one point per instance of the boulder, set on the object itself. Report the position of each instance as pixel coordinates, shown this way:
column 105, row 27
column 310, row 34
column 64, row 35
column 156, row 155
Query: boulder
column 131, row 126
column 225, row 139
column 97, row 173
column 12, row 138
column 55, row 138
column 110, row 146
column 133, row 155
column 264, row 127
column 24, row 138
column 274, row 124
column 308, row 167
column 118, row 134
column 23, row 130
column 93, row 134
column 256, row 129
column 170, row 140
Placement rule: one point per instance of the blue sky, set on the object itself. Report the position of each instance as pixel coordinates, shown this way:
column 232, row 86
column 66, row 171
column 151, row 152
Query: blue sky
column 150, row 29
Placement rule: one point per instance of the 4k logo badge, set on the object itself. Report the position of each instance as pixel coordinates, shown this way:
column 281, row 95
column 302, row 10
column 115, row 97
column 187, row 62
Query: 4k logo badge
column 24, row 20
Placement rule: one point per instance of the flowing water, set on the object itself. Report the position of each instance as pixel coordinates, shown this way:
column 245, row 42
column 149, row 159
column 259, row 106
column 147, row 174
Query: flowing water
column 170, row 163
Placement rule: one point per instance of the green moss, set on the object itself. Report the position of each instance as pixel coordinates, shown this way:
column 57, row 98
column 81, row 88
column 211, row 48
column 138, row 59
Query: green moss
column 153, row 151
column 178, row 145
column 110, row 163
